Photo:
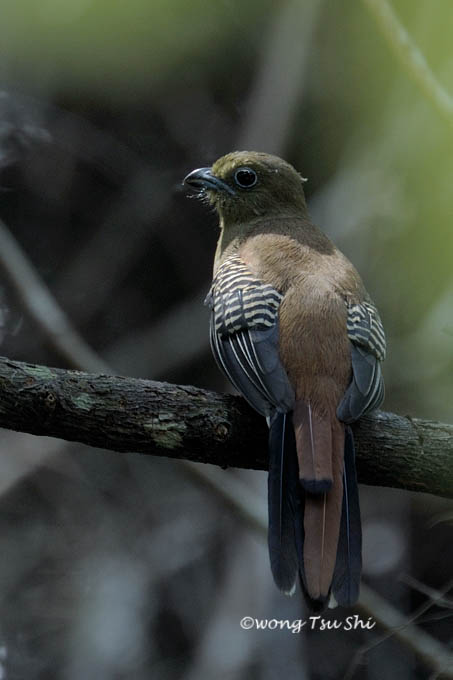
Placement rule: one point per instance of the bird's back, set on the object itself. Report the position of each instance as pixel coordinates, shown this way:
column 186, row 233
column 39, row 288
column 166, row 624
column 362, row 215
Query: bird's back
column 316, row 281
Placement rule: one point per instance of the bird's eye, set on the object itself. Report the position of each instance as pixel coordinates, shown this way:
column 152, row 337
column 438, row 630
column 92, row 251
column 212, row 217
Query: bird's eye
column 245, row 178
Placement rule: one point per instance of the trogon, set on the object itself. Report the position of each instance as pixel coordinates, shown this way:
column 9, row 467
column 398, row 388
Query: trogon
column 296, row 333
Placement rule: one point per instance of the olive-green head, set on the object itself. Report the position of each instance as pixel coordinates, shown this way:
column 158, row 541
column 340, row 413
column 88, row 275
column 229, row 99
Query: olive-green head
column 244, row 185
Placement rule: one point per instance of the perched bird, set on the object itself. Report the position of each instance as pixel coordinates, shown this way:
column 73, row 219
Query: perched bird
column 296, row 333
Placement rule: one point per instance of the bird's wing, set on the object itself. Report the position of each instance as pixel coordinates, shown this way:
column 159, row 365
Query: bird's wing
column 366, row 390
column 244, row 336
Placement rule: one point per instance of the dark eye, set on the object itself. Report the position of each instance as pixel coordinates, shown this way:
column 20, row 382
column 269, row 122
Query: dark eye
column 245, row 178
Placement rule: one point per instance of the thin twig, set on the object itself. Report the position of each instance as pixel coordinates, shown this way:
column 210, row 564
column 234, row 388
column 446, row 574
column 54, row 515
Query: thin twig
column 437, row 597
column 411, row 57
column 42, row 308
column 427, row 648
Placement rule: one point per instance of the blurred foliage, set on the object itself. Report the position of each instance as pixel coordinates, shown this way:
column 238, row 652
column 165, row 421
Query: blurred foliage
column 105, row 106
column 116, row 49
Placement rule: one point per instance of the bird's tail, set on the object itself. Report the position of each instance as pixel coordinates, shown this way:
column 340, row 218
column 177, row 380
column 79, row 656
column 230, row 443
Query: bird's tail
column 348, row 566
column 320, row 451
column 285, row 500
column 314, row 521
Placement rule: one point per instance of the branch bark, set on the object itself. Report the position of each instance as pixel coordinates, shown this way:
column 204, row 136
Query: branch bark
column 128, row 414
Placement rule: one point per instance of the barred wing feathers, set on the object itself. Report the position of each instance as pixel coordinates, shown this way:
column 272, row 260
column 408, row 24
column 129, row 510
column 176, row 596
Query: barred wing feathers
column 244, row 336
column 366, row 390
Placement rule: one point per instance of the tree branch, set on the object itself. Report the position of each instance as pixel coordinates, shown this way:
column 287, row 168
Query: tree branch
column 126, row 414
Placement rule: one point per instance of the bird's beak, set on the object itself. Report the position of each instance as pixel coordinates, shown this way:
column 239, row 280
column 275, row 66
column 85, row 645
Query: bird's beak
column 202, row 178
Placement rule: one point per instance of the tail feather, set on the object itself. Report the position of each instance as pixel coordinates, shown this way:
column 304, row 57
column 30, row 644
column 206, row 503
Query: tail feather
column 317, row 535
column 322, row 523
column 318, row 604
column 284, row 498
column 314, row 448
column 348, row 567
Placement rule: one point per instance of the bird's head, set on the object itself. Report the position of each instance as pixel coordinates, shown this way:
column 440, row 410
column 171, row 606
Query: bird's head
column 244, row 185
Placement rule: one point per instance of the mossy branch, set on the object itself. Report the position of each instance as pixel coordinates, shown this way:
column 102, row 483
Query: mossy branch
column 126, row 414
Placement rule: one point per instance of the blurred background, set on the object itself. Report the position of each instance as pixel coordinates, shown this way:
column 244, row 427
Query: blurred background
column 124, row 566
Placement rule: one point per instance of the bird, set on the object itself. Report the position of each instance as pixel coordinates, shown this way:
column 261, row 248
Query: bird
column 296, row 333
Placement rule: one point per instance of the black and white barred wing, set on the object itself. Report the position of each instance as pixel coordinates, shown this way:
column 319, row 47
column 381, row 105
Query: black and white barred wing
column 244, row 336
column 366, row 390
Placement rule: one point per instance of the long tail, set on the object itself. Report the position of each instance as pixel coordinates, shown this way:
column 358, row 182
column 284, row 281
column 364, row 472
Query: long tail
column 320, row 449
column 321, row 527
column 348, row 567
column 317, row 535
column 284, row 497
